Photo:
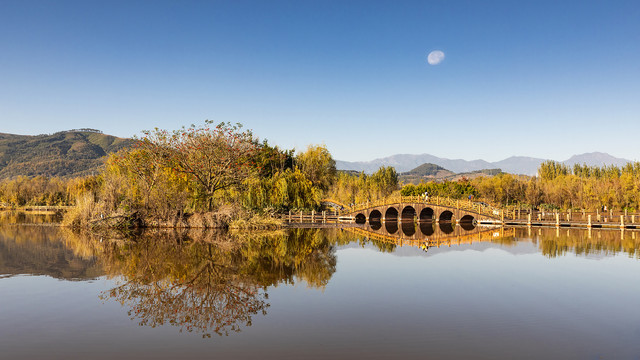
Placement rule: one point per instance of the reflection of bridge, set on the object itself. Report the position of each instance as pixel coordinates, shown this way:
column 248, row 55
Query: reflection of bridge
column 427, row 234
column 411, row 208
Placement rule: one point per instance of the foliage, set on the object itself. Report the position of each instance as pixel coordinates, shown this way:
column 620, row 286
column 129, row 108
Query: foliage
column 550, row 170
column 271, row 160
column 317, row 165
column 558, row 186
column 210, row 159
column 286, row 190
column 453, row 189
column 169, row 175
column 355, row 189
column 44, row 191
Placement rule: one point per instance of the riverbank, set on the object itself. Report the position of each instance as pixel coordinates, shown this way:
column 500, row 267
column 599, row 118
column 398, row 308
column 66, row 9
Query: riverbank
column 225, row 217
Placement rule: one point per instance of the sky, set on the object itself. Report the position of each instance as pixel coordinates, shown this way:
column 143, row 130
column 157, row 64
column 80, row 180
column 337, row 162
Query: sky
column 546, row 79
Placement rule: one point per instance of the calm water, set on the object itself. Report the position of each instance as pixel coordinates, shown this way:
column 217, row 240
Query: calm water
column 320, row 293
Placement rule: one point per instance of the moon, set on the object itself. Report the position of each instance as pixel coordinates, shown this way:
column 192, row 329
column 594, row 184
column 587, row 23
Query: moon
column 435, row 57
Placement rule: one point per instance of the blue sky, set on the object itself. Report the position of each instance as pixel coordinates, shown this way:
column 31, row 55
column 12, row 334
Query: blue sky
column 541, row 78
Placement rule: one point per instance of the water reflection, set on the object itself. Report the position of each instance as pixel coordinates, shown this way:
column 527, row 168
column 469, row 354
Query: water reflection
column 196, row 287
column 217, row 282
column 408, row 228
column 42, row 250
column 467, row 225
column 220, row 283
column 208, row 283
column 391, row 227
column 29, row 217
column 426, row 228
column 446, row 227
column 560, row 242
column 375, row 225
column 551, row 242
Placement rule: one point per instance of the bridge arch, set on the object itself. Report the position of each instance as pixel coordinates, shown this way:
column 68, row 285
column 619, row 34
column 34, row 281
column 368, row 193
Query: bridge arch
column 361, row 219
column 408, row 213
column 374, row 216
column 446, row 216
column 391, row 214
column 468, row 222
column 467, row 218
column 426, row 214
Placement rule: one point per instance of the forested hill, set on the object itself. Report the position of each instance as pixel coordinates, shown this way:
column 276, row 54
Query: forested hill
column 63, row 154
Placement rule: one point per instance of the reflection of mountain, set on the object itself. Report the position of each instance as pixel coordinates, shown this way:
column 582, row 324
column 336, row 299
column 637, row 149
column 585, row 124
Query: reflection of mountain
column 35, row 250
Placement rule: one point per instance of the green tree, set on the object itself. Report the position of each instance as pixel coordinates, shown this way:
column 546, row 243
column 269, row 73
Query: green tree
column 317, row 165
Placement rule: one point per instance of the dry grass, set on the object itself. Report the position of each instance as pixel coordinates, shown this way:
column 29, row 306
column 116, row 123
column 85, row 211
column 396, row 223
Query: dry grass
column 90, row 214
column 256, row 222
column 83, row 213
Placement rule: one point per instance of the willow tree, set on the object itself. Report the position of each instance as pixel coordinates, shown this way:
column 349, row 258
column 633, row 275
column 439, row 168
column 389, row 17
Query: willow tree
column 317, row 165
column 211, row 158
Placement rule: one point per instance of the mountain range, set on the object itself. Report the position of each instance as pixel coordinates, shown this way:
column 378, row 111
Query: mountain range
column 63, row 154
column 82, row 151
column 514, row 165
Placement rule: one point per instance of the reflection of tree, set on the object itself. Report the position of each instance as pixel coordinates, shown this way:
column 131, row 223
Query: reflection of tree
column 210, row 296
column 306, row 254
column 553, row 243
column 21, row 217
column 213, row 286
column 38, row 250
column 348, row 236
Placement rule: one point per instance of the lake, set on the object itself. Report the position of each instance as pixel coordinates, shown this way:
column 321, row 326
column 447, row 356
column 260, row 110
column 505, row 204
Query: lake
column 486, row 293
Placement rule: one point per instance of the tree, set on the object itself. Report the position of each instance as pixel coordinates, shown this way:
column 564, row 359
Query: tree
column 271, row 160
column 385, row 180
column 318, row 166
column 211, row 159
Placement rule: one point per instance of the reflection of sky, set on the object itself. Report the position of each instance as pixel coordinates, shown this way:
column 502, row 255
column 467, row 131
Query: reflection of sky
column 477, row 302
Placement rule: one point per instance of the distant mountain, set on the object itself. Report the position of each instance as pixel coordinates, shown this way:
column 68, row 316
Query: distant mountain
column 595, row 158
column 406, row 162
column 473, row 174
column 520, row 165
column 430, row 172
column 427, row 169
column 64, row 154
column 514, row 165
column 425, row 172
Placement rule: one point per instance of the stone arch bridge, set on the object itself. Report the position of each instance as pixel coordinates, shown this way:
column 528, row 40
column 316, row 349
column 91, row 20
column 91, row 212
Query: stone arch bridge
column 432, row 209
